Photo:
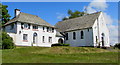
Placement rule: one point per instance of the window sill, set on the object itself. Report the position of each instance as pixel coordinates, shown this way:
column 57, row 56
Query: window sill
column 25, row 40
column 35, row 29
column 26, row 29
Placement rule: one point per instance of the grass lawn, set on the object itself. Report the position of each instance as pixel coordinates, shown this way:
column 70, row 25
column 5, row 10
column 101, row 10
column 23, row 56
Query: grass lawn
column 58, row 55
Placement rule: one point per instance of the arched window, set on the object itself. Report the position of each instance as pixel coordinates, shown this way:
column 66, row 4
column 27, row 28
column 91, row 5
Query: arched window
column 66, row 36
column 74, row 35
column 82, row 35
column 102, row 38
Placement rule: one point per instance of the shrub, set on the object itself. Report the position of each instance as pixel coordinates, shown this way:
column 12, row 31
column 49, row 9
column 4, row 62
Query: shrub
column 60, row 44
column 117, row 45
column 7, row 41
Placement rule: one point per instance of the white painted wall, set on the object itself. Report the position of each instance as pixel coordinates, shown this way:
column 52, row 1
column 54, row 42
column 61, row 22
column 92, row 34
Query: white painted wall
column 40, row 33
column 100, row 27
column 57, row 38
column 86, row 41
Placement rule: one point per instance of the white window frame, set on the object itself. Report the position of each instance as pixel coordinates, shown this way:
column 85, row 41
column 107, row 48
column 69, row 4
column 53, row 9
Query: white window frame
column 25, row 37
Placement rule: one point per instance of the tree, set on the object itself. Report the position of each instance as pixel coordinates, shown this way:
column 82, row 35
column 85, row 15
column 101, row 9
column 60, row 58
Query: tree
column 117, row 45
column 73, row 14
column 7, row 41
column 5, row 15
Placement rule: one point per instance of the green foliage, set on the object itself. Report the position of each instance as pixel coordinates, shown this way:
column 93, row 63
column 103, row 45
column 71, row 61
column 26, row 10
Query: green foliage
column 73, row 14
column 60, row 44
column 5, row 15
column 7, row 41
column 117, row 45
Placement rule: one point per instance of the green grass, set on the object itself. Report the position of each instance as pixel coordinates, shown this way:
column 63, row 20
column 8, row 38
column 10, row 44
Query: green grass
column 58, row 55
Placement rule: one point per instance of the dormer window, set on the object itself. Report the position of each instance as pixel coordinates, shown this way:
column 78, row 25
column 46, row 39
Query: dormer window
column 47, row 29
column 25, row 26
column 35, row 27
column 28, row 26
column 52, row 29
column 22, row 25
column 43, row 28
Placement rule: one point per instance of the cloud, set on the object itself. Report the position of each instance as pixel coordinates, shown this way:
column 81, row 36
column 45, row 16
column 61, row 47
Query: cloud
column 101, row 5
column 108, row 18
column 96, row 5
column 113, row 34
column 113, row 29
column 60, row 16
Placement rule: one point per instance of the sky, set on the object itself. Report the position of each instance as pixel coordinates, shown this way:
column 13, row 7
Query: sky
column 52, row 12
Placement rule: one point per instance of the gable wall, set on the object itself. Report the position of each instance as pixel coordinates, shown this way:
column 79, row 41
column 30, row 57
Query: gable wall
column 100, row 27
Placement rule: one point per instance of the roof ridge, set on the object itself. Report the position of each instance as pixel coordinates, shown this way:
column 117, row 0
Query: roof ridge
column 81, row 16
column 28, row 14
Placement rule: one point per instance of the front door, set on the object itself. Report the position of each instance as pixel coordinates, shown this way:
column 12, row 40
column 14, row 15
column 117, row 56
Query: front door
column 34, row 38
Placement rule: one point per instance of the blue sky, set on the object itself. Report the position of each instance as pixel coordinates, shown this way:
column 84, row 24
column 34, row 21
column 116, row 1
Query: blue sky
column 52, row 12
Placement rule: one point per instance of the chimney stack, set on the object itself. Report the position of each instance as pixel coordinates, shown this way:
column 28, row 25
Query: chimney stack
column 17, row 12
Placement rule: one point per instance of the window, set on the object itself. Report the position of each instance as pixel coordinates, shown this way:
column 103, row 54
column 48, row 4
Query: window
column 66, row 36
column 22, row 25
column 43, row 39
column 82, row 35
column 74, row 35
column 25, row 25
column 50, row 39
column 47, row 29
column 43, row 28
column 88, row 30
column 52, row 29
column 12, row 26
column 96, row 39
column 28, row 26
column 25, row 37
column 35, row 27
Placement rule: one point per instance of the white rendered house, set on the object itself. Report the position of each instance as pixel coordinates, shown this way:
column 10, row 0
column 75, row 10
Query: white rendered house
column 87, row 30
column 31, row 30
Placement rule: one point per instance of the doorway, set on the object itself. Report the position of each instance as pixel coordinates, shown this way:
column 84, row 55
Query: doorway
column 60, row 40
column 35, row 38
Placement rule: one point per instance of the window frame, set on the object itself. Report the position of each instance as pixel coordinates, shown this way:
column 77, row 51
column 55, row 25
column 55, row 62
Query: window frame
column 82, row 35
column 50, row 40
column 35, row 27
column 43, row 39
column 47, row 29
column 25, row 37
column 66, row 36
column 74, row 35
column 52, row 30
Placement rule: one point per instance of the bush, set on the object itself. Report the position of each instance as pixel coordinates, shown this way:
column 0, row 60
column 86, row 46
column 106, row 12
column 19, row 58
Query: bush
column 7, row 41
column 60, row 44
column 117, row 45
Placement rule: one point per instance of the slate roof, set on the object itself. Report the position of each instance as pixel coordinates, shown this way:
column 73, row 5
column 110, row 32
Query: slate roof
column 28, row 18
column 82, row 22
